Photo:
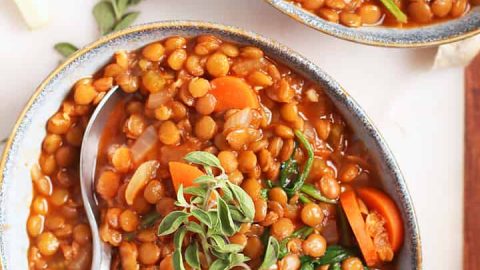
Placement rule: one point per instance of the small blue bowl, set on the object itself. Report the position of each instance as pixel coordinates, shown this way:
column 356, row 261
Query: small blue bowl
column 431, row 35
column 24, row 145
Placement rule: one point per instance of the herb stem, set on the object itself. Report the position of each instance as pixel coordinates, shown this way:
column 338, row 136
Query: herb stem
column 304, row 199
column 308, row 164
column 316, row 194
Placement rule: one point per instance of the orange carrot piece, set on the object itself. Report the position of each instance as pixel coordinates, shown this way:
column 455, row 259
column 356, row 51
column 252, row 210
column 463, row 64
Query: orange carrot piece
column 183, row 174
column 384, row 205
column 233, row 93
column 349, row 202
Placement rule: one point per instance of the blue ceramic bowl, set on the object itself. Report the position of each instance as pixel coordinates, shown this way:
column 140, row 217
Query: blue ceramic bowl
column 23, row 147
column 436, row 34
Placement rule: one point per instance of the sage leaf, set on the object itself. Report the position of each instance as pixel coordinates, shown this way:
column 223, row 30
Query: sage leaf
column 244, row 200
column 195, row 228
column 202, row 216
column 205, row 179
column 195, row 191
column 105, row 16
column 178, row 260
column 271, row 254
column 219, row 265
column 121, row 6
column 171, row 222
column 181, row 201
column 65, row 49
column 237, row 215
column 228, row 248
column 203, row 158
column 126, row 21
column 236, row 259
column 225, row 218
column 191, row 256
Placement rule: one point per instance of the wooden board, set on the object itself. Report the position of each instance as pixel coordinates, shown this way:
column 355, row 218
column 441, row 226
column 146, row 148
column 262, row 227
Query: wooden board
column 471, row 257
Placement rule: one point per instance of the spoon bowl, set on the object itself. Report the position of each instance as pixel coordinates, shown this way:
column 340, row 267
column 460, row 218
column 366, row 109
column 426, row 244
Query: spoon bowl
column 101, row 252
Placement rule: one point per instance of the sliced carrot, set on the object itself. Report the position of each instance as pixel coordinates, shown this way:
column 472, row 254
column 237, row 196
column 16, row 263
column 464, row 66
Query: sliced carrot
column 183, row 174
column 384, row 205
column 233, row 93
column 348, row 199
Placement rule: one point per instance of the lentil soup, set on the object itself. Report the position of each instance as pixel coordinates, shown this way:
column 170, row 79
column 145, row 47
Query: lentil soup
column 400, row 13
column 218, row 158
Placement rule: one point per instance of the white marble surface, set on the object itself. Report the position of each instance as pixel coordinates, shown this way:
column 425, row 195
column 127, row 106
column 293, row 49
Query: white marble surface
column 419, row 111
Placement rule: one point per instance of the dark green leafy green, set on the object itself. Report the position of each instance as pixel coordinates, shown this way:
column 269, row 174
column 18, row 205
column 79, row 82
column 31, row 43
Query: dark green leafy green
column 291, row 180
column 149, row 219
column 66, row 49
column 333, row 255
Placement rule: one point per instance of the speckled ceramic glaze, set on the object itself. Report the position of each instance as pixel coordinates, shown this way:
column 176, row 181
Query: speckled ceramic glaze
column 431, row 35
column 23, row 148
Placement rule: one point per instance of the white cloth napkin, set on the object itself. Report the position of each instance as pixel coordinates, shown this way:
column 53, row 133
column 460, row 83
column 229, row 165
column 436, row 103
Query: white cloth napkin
column 456, row 54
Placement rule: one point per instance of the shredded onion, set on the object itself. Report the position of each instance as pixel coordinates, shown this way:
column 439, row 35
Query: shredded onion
column 144, row 144
column 238, row 120
column 156, row 99
column 140, row 178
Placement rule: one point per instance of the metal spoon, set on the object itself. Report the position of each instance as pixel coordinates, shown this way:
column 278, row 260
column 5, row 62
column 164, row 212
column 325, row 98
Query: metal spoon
column 101, row 252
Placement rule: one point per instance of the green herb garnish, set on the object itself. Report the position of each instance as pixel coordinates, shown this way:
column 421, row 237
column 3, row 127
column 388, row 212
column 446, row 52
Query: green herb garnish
column 395, row 10
column 65, row 48
column 110, row 15
column 214, row 221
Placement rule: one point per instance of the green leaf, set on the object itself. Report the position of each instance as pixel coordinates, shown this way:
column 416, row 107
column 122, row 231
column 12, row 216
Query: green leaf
column 66, row 49
column 236, row 259
column 219, row 265
column 203, row 158
column 105, row 16
column 196, row 191
column 171, row 222
column 202, row 216
column 288, row 171
column 195, row 228
column 191, row 256
column 228, row 248
column 134, row 2
column 237, row 215
column 225, row 217
column 271, row 254
column 180, row 198
column 178, row 260
column 121, row 7
column 244, row 200
column 218, row 240
column 303, row 232
column 178, row 242
column 179, row 236
column 126, row 21
column 205, row 179
column 395, row 10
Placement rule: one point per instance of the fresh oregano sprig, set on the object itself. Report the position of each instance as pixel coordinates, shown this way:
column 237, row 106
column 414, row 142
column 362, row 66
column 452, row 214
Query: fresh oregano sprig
column 110, row 15
column 214, row 211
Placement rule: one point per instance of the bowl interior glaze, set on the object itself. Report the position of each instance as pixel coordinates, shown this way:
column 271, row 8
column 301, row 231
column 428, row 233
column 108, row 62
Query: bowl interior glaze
column 431, row 35
column 23, row 148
